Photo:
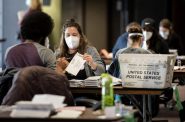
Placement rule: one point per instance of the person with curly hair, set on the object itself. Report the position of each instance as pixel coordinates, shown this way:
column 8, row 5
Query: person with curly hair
column 34, row 29
column 35, row 64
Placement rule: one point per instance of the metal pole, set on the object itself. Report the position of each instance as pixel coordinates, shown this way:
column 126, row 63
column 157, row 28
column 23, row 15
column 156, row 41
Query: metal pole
column 144, row 108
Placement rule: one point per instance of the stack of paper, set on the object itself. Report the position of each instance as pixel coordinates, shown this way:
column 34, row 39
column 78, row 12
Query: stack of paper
column 76, row 83
column 179, row 68
column 70, row 112
column 93, row 81
column 115, row 81
column 96, row 81
column 56, row 100
column 40, row 107
column 90, row 81
column 31, row 110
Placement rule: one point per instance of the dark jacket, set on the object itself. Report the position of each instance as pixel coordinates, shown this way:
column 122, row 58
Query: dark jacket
column 158, row 45
column 174, row 42
column 37, row 80
column 161, row 47
column 6, row 78
column 120, row 43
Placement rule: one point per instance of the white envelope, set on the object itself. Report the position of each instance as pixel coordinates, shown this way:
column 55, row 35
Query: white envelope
column 76, row 64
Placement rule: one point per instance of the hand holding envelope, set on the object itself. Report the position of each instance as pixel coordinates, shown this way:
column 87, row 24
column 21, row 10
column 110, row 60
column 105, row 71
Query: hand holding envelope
column 61, row 65
column 62, row 62
column 90, row 61
column 76, row 64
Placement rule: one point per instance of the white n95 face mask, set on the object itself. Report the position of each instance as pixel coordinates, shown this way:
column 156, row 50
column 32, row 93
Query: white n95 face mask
column 164, row 35
column 72, row 42
column 147, row 35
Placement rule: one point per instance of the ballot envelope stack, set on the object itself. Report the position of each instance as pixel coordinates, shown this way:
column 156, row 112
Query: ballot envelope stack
column 93, row 81
column 90, row 81
column 41, row 106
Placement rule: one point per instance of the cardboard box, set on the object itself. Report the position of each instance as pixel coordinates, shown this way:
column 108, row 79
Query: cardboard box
column 146, row 70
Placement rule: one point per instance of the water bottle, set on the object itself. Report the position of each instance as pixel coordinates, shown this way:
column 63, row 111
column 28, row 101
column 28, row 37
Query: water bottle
column 118, row 105
column 179, row 63
column 107, row 91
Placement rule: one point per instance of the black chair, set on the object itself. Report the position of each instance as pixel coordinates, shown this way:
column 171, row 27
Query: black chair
column 89, row 103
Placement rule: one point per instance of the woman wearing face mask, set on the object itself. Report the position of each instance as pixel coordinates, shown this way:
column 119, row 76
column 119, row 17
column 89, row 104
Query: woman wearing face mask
column 152, row 40
column 73, row 41
column 167, row 33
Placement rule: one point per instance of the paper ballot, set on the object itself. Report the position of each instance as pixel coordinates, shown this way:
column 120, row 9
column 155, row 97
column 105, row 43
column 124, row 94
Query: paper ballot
column 41, row 106
column 55, row 100
column 76, row 64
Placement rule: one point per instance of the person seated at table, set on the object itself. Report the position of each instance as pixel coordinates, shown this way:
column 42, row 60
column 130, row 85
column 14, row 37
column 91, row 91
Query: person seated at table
column 72, row 41
column 33, row 80
column 135, row 41
column 157, row 45
column 34, row 29
column 121, row 42
column 152, row 40
column 170, row 36
column 105, row 54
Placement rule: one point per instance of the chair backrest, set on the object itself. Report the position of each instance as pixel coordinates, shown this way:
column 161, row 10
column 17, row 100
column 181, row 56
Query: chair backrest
column 37, row 80
column 6, row 78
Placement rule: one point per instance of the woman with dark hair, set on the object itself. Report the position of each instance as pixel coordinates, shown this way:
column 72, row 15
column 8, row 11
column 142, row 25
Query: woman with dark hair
column 34, row 28
column 156, row 44
column 152, row 40
column 170, row 36
column 72, row 41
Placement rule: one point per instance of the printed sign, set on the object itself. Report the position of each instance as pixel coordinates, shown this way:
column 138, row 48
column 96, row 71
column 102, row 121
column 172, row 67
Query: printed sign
column 146, row 70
